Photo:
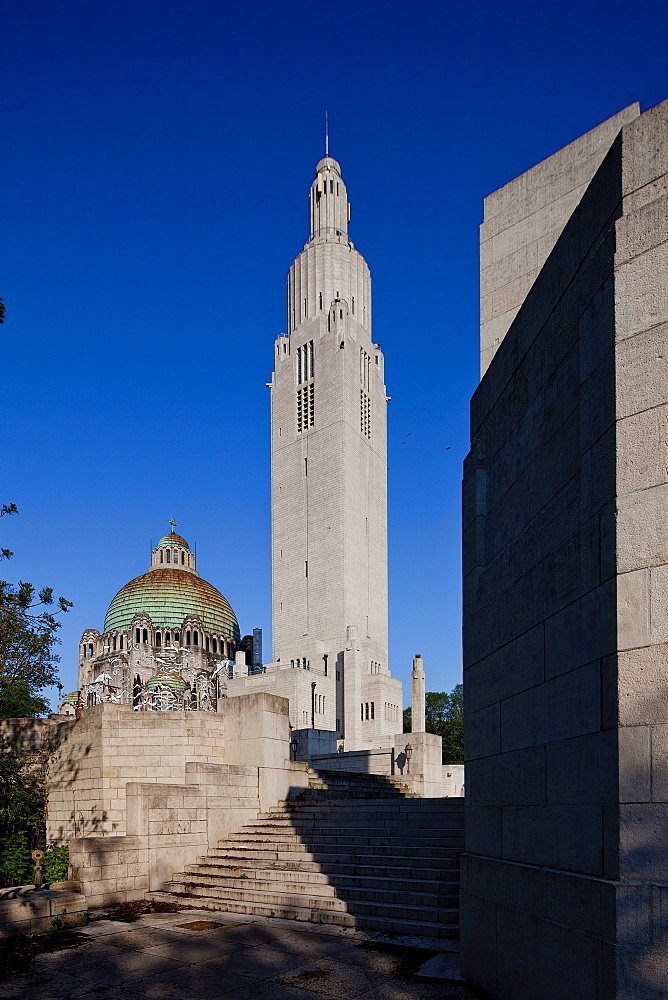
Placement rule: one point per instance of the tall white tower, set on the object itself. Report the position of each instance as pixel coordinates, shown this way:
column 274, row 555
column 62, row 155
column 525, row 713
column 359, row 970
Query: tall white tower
column 329, row 479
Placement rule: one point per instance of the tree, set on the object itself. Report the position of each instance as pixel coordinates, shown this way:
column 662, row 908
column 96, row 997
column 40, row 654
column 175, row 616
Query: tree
column 27, row 636
column 444, row 715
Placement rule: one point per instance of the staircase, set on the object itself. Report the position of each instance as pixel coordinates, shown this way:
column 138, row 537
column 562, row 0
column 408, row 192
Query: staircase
column 353, row 849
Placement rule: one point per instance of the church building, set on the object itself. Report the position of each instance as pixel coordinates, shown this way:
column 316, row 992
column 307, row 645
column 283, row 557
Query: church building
column 168, row 641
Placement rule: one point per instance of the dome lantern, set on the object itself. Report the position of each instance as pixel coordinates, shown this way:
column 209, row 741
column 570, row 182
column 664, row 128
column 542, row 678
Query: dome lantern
column 173, row 550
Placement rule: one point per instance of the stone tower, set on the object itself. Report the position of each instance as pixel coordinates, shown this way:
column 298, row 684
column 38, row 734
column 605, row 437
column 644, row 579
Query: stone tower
column 329, row 477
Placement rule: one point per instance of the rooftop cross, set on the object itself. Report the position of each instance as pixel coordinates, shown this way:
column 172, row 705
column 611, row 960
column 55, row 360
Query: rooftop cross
column 173, row 524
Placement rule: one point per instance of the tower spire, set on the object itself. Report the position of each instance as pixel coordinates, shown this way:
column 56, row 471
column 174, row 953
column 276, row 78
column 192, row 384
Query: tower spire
column 326, row 133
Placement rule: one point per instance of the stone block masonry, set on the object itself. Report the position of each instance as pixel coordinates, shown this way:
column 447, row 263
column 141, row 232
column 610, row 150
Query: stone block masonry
column 137, row 795
column 565, row 569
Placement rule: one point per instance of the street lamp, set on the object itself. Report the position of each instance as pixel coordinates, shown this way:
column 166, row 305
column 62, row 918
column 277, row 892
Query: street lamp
column 408, row 750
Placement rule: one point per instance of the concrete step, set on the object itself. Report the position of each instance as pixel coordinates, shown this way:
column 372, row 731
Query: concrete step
column 395, row 923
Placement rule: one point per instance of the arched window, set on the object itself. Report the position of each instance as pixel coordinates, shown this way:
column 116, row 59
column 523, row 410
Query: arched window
column 195, row 638
column 169, row 554
column 158, row 639
column 145, row 635
column 121, row 642
column 183, row 558
column 137, row 635
column 176, row 556
column 90, row 649
column 207, row 644
column 177, row 636
column 215, row 645
column 187, row 638
column 167, row 638
column 160, row 555
column 115, row 640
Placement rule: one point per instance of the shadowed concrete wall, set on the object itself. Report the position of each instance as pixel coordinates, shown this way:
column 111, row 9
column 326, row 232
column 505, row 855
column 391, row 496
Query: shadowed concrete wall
column 566, row 562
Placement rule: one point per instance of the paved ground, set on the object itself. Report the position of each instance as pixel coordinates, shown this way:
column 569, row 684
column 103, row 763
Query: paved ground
column 239, row 958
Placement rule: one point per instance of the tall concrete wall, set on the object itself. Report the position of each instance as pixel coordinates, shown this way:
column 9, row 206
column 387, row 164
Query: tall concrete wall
column 565, row 878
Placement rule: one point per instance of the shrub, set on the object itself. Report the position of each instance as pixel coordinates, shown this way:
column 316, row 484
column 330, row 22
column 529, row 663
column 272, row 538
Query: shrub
column 16, row 865
column 56, row 864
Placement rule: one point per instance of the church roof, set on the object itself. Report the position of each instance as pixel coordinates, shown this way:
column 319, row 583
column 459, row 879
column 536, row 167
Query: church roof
column 173, row 539
column 168, row 596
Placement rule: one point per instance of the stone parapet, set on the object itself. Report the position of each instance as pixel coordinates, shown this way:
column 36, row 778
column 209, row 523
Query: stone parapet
column 27, row 910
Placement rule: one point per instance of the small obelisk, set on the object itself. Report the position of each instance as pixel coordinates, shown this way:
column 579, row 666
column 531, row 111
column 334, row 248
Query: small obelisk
column 417, row 696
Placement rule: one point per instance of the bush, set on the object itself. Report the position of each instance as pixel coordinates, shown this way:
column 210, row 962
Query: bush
column 16, row 865
column 56, row 863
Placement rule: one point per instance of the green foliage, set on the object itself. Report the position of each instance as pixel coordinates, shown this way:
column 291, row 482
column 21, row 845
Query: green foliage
column 22, row 793
column 56, row 863
column 16, row 702
column 7, row 508
column 27, row 635
column 16, row 865
column 444, row 715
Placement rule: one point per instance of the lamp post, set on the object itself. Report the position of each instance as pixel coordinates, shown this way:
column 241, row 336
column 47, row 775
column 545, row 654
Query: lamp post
column 408, row 750
column 313, row 704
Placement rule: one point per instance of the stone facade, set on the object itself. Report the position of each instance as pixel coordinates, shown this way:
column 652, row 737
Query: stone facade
column 565, row 889
column 138, row 795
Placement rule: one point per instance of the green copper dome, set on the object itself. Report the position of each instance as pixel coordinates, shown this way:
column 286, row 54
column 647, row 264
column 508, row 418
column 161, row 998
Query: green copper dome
column 167, row 596
column 172, row 539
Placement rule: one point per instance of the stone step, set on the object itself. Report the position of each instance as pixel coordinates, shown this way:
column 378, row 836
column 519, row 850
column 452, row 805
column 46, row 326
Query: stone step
column 344, row 846
column 445, row 871
column 388, row 925
column 332, row 904
column 403, row 826
column 417, row 896
column 371, row 883
column 394, row 819
column 336, row 857
column 350, row 837
column 377, row 807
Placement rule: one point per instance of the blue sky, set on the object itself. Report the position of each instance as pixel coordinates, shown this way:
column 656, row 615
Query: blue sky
column 158, row 156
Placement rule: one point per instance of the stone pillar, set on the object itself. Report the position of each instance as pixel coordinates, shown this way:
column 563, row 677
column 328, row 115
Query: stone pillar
column 418, row 724
column 240, row 665
column 424, row 772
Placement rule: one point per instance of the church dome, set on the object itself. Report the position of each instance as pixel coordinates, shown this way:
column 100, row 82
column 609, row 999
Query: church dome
column 168, row 596
column 173, row 539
